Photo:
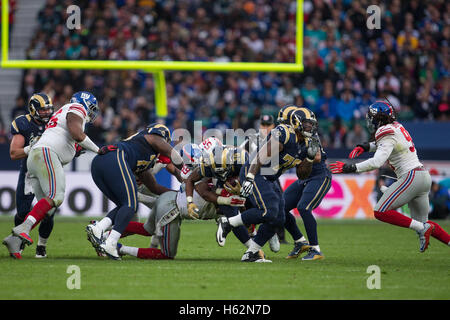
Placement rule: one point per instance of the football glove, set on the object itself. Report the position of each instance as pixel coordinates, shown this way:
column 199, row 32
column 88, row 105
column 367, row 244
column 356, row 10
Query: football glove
column 247, row 186
column 313, row 148
column 79, row 150
column 359, row 149
column 34, row 140
column 193, row 211
column 105, row 149
column 233, row 189
column 341, row 167
column 234, row 201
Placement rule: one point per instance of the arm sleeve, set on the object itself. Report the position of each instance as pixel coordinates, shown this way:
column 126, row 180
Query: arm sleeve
column 384, row 149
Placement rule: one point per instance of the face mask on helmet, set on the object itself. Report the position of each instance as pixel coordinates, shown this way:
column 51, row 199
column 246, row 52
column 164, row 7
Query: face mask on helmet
column 309, row 128
column 41, row 107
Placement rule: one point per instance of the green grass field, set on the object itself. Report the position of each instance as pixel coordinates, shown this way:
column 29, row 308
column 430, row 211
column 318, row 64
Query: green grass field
column 203, row 270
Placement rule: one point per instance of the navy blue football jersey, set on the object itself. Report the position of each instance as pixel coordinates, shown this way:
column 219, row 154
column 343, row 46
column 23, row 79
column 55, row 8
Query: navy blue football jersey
column 287, row 158
column 28, row 128
column 139, row 153
column 319, row 168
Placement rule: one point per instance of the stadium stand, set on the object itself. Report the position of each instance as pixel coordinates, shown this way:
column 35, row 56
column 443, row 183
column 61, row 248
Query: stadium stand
column 347, row 65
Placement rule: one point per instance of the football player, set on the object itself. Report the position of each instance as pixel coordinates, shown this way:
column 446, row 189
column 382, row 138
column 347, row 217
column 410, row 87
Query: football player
column 171, row 208
column 56, row 148
column 394, row 144
column 305, row 194
column 114, row 174
column 251, row 143
column 263, row 193
column 223, row 164
column 26, row 131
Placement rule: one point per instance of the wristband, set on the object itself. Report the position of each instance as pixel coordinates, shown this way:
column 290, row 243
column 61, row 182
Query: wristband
column 26, row 150
column 250, row 176
column 189, row 199
column 223, row 201
column 309, row 160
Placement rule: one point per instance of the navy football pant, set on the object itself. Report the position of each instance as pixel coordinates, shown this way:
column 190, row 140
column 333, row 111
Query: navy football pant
column 266, row 207
column 24, row 204
column 305, row 195
column 113, row 176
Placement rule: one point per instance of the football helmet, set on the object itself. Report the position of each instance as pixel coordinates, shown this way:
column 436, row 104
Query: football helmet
column 285, row 114
column 223, row 160
column 89, row 103
column 40, row 107
column 305, row 121
column 191, row 154
column 380, row 113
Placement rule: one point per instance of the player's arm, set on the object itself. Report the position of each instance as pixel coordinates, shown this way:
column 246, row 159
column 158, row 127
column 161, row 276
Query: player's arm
column 16, row 148
column 224, row 198
column 174, row 171
column 162, row 147
column 190, row 182
column 149, row 181
column 384, row 150
column 75, row 127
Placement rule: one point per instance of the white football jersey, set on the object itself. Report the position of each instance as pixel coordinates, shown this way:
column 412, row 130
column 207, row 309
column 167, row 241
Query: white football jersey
column 394, row 145
column 56, row 135
column 207, row 210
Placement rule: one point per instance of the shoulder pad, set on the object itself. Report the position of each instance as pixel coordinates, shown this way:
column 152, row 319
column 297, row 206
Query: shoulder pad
column 160, row 130
column 384, row 131
column 20, row 124
column 283, row 133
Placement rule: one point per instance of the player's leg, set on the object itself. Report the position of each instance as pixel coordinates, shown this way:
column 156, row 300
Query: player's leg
column 268, row 198
column 124, row 189
column 44, row 165
column 412, row 185
column 23, row 201
column 291, row 198
column 313, row 193
column 241, row 232
column 419, row 208
column 13, row 243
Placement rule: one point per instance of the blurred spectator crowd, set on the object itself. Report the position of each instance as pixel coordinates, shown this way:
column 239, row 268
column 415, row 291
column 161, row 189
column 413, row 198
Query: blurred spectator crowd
column 346, row 65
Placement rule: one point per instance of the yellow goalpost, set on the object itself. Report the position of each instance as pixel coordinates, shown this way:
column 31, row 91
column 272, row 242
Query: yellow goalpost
column 157, row 68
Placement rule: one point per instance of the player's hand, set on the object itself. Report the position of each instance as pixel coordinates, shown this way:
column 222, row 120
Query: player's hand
column 105, row 149
column 79, row 150
column 247, row 186
column 313, row 148
column 236, row 189
column 341, row 167
column 233, row 200
column 163, row 159
column 193, row 211
column 359, row 149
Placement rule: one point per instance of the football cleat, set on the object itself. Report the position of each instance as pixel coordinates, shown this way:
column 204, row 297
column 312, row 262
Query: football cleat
column 299, row 248
column 424, row 236
column 14, row 246
column 41, row 252
column 250, row 256
column 313, row 254
column 95, row 237
column 223, row 228
column 19, row 231
column 274, row 243
column 110, row 251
